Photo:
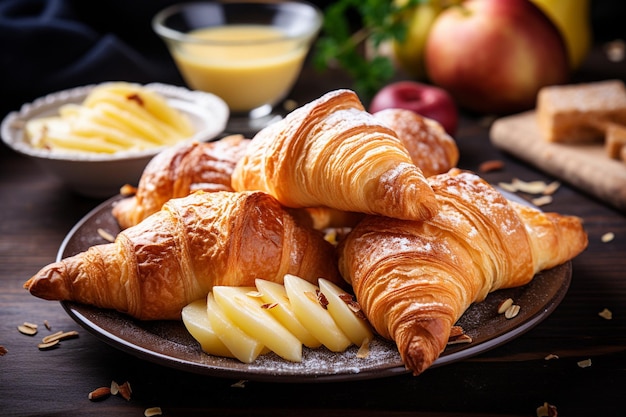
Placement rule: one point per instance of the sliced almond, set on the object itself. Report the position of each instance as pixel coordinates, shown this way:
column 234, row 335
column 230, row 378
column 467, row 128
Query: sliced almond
column 48, row 345
column 505, row 305
column 606, row 314
column 152, row 411
column 460, row 339
column 490, row 166
column 27, row 330
column 512, row 311
column 542, row 201
column 607, row 237
column 584, row 364
column 125, row 391
column 60, row 335
column 106, row 235
column 364, row 349
column 240, row 384
column 99, row 394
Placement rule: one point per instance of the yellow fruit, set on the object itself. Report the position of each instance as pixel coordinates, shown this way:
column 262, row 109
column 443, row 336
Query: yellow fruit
column 240, row 344
column 196, row 320
column 410, row 53
column 252, row 316
column 572, row 19
column 313, row 316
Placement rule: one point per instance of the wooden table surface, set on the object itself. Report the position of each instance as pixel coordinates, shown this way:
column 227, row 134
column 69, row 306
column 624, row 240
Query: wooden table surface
column 511, row 380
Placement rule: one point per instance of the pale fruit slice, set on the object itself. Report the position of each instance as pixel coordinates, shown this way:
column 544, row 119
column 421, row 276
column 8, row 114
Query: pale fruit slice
column 243, row 347
column 196, row 320
column 275, row 293
column 251, row 315
column 317, row 320
column 357, row 329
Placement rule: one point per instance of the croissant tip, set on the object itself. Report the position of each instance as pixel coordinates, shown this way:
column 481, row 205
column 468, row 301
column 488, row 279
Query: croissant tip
column 28, row 284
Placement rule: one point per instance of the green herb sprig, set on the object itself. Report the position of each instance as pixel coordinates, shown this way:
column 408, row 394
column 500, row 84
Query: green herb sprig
column 348, row 25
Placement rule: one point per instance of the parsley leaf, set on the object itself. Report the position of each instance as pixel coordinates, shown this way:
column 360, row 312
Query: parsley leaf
column 348, row 25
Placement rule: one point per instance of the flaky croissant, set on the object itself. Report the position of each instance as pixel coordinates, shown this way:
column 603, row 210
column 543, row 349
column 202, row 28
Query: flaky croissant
column 178, row 254
column 332, row 153
column 414, row 280
column 179, row 171
column 430, row 147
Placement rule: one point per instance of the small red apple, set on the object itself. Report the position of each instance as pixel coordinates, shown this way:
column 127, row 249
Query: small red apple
column 493, row 56
column 423, row 99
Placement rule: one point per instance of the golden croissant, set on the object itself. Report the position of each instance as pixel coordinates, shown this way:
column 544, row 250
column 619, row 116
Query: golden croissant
column 415, row 279
column 333, row 153
column 179, row 171
column 178, row 254
column 430, row 147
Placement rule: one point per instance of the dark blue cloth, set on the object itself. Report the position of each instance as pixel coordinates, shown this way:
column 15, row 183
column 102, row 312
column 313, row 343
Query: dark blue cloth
column 50, row 45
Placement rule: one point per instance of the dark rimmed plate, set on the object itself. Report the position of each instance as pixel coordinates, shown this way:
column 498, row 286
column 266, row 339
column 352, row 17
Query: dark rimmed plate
column 168, row 342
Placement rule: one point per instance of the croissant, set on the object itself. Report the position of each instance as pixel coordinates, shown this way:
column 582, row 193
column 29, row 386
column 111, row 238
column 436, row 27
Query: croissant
column 332, row 153
column 430, row 147
column 415, row 279
column 178, row 254
column 179, row 171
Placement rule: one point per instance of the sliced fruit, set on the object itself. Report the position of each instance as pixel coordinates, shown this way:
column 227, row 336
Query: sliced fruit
column 243, row 346
column 275, row 293
column 356, row 328
column 251, row 315
column 315, row 318
column 196, row 320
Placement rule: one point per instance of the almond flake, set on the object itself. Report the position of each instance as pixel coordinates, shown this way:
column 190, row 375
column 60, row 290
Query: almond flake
column 607, row 237
column 505, row 305
column 311, row 296
column 106, row 235
column 128, row 190
column 507, row 187
column 546, row 410
column 115, row 388
column 551, row 356
column 606, row 314
column 512, row 311
column 45, row 323
column 457, row 340
column 321, row 298
column 31, row 325
column 240, row 384
column 542, row 201
column 490, row 166
column 125, row 391
column 152, row 411
column 531, row 187
column 551, row 188
column 60, row 335
column 27, row 330
column 584, row 364
column 364, row 349
column 48, row 345
column 99, row 394
column 456, row 331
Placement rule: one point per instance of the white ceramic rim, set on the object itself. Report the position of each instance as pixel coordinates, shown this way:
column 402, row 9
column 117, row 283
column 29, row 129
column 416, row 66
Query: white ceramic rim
column 211, row 111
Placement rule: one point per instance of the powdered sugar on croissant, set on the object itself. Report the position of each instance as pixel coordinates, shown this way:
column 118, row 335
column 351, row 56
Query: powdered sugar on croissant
column 414, row 279
column 332, row 153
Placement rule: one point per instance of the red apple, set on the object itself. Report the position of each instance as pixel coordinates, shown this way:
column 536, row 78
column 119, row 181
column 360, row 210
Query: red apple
column 423, row 99
column 494, row 56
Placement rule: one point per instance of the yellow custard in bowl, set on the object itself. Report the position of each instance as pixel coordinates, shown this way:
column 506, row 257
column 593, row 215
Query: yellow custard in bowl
column 246, row 65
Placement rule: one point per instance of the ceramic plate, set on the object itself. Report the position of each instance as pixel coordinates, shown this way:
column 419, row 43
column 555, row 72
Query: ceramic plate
column 168, row 342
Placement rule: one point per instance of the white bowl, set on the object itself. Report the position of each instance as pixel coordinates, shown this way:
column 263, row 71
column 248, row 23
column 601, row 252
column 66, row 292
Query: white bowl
column 102, row 175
